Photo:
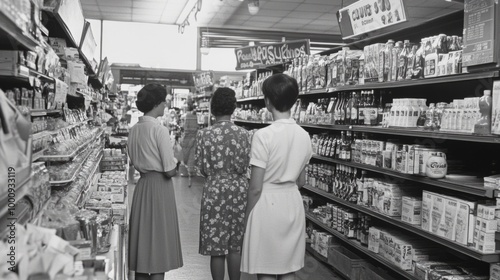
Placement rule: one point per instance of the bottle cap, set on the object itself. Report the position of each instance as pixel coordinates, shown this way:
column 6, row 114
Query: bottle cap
column 487, row 92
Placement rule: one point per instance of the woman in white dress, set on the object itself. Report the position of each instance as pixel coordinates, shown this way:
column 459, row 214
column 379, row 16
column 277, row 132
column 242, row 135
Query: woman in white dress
column 274, row 242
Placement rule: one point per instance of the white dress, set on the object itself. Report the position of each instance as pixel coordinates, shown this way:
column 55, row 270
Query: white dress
column 275, row 236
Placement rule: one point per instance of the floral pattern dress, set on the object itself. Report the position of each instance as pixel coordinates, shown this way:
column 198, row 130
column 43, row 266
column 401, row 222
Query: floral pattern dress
column 222, row 155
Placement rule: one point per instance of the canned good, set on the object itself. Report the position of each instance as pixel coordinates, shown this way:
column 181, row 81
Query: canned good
column 422, row 155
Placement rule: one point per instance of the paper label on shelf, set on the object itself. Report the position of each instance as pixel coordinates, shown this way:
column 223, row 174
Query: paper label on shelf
column 366, row 15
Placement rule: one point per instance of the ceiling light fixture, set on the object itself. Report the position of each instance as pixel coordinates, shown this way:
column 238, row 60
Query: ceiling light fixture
column 192, row 6
column 253, row 7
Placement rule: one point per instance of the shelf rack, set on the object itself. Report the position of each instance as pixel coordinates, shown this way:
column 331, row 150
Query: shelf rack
column 75, row 174
column 410, row 132
column 11, row 34
column 93, row 178
column 474, row 188
column 468, row 251
column 43, row 112
column 363, row 249
column 74, row 153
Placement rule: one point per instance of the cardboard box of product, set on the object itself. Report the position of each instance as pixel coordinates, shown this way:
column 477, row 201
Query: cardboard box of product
column 58, row 45
column 462, row 223
column 437, row 214
column 411, row 210
column 486, row 242
column 486, row 211
column 374, row 239
column 450, row 218
column 427, row 201
column 119, row 212
column 488, row 226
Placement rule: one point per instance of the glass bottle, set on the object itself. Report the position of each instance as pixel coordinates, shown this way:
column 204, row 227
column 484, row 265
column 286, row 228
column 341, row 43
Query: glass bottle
column 348, row 108
column 429, row 117
column 422, row 115
column 355, row 109
column 396, row 51
column 380, row 109
column 361, row 108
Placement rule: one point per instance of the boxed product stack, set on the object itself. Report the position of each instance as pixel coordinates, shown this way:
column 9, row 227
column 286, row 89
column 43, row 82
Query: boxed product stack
column 412, row 210
column 495, row 271
column 485, row 228
column 449, row 217
column 321, row 242
column 402, row 250
column 492, row 182
column 113, row 160
column 110, row 195
column 387, row 197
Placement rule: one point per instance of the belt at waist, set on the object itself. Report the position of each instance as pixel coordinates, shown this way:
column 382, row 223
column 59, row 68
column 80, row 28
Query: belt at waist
column 153, row 174
column 282, row 187
column 225, row 174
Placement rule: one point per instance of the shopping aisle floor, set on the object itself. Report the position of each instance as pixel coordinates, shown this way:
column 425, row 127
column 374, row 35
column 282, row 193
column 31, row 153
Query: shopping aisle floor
column 196, row 266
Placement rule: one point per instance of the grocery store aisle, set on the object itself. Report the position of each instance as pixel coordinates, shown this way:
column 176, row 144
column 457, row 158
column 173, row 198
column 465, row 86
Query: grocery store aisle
column 196, row 266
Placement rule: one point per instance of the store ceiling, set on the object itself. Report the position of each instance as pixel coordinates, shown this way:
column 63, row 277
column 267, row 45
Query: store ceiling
column 315, row 17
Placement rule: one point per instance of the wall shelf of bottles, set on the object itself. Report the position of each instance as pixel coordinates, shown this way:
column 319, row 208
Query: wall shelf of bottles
column 469, row 186
column 471, row 252
column 361, row 248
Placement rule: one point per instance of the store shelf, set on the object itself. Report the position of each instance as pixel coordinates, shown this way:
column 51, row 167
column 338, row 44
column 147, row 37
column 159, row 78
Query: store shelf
column 36, row 74
column 73, row 154
column 73, row 178
column 358, row 246
column 468, row 251
column 253, row 98
column 459, row 183
column 427, row 134
column 324, row 260
column 407, row 83
column 37, row 217
column 12, row 37
column 252, row 122
column 43, row 112
column 93, row 179
column 36, row 156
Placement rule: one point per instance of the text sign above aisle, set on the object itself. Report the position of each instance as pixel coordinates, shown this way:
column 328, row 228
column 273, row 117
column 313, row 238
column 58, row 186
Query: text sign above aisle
column 204, row 79
column 479, row 38
column 254, row 57
column 369, row 15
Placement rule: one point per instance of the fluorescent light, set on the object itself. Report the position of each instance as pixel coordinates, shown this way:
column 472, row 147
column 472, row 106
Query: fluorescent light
column 185, row 12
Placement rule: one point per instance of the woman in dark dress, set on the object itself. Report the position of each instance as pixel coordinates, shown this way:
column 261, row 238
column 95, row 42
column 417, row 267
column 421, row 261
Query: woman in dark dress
column 222, row 156
column 154, row 241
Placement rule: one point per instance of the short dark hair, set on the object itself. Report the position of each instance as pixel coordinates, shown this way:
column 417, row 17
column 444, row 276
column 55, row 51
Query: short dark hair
column 223, row 102
column 281, row 90
column 150, row 96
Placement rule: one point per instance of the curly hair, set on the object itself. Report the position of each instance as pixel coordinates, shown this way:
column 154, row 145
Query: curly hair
column 223, row 102
column 150, row 96
column 281, row 90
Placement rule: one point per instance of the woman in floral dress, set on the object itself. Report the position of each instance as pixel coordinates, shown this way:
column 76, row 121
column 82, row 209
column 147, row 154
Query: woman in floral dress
column 222, row 156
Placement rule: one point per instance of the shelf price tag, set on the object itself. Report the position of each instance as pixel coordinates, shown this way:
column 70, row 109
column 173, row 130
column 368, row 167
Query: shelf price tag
column 367, row 15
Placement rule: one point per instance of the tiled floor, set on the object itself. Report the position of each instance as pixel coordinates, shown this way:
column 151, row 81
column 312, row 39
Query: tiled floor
column 196, row 266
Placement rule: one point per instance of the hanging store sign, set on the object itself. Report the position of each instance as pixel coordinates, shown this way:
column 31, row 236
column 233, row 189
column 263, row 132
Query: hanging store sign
column 254, row 57
column 479, row 37
column 369, row 15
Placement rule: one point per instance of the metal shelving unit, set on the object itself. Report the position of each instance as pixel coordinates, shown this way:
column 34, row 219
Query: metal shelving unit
column 468, row 251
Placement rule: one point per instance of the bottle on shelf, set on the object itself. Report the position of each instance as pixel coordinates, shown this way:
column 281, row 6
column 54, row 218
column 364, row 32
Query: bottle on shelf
column 429, row 117
column 355, row 109
column 380, row 109
column 423, row 113
column 396, row 51
column 385, row 62
column 348, row 108
column 370, row 110
column 483, row 124
column 403, row 60
column 348, row 146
